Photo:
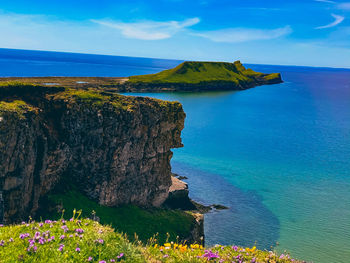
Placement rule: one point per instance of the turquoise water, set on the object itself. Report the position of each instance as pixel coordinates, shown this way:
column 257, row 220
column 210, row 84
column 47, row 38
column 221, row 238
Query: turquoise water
column 279, row 157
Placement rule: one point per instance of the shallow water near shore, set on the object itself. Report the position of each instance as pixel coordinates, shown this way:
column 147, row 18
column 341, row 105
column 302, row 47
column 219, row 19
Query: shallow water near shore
column 278, row 156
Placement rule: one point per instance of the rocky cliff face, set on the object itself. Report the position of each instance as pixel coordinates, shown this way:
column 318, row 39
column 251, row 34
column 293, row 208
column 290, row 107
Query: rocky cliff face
column 115, row 148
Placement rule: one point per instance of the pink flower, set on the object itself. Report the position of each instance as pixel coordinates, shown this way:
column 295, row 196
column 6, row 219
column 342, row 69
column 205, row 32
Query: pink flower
column 89, row 259
column 77, row 249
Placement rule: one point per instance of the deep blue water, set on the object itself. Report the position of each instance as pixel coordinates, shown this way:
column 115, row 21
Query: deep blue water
column 278, row 156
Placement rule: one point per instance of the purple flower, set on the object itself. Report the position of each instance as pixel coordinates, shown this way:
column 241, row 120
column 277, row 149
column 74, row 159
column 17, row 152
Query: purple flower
column 65, row 228
column 62, row 237
column 79, row 230
column 2, row 243
column 112, row 260
column 210, row 255
column 89, row 259
column 48, row 221
column 101, row 241
column 166, row 256
column 11, row 239
column 120, row 255
column 1, row 225
column 77, row 249
column 102, row 261
column 41, row 224
column 23, row 236
column 235, row 248
column 61, row 247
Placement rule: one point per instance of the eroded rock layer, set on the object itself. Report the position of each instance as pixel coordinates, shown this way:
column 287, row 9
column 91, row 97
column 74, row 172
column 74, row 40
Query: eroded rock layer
column 115, row 148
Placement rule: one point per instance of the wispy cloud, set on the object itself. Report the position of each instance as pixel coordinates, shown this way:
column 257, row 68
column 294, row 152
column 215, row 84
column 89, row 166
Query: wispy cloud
column 149, row 30
column 337, row 21
column 326, row 1
column 237, row 35
column 344, row 6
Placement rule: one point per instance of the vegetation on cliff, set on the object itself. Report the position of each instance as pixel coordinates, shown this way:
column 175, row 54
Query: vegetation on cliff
column 129, row 219
column 84, row 240
column 193, row 73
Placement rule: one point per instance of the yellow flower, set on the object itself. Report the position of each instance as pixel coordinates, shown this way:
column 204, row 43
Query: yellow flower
column 195, row 246
column 167, row 245
column 156, row 245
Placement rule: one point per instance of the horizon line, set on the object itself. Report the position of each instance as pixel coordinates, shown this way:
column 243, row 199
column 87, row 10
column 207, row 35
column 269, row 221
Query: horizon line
column 173, row 59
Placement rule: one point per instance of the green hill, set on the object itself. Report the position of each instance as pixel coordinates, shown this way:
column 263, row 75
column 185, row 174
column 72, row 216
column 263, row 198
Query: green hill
column 206, row 75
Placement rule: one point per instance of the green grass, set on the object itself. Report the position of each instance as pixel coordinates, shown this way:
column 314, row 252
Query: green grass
column 197, row 72
column 128, row 219
column 83, row 240
column 17, row 106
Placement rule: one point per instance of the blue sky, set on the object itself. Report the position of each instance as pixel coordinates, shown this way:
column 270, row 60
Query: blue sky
column 308, row 32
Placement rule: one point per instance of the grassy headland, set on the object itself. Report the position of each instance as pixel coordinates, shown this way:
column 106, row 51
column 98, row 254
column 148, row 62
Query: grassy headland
column 84, row 240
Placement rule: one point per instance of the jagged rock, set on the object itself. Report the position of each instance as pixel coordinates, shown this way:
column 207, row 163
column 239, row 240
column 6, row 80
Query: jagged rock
column 178, row 196
column 115, row 148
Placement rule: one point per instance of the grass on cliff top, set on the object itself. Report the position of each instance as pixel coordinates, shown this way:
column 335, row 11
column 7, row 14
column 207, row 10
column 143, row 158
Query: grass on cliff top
column 196, row 72
column 127, row 219
column 83, row 240
column 17, row 106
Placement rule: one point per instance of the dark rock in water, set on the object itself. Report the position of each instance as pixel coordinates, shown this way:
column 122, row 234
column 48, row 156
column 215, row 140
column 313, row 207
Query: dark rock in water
column 219, row 207
column 115, row 148
column 178, row 196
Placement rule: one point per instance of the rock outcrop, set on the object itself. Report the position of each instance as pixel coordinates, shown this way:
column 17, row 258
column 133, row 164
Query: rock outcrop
column 115, row 148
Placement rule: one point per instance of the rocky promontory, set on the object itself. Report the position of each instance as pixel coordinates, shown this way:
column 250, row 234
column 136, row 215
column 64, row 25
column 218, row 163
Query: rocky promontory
column 201, row 76
column 115, row 148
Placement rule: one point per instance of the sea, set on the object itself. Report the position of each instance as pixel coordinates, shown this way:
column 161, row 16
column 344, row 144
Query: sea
column 278, row 156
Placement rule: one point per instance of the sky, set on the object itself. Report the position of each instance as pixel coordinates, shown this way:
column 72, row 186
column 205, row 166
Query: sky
column 285, row 32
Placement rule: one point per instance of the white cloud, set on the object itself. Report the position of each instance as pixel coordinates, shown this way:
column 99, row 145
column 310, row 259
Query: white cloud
column 337, row 21
column 149, row 30
column 344, row 6
column 237, row 35
column 326, row 1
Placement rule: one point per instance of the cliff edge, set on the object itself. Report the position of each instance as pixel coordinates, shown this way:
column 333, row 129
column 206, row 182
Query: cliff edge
column 115, row 148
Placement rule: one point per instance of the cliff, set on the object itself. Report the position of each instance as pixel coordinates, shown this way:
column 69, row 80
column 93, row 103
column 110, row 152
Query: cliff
column 114, row 148
column 201, row 76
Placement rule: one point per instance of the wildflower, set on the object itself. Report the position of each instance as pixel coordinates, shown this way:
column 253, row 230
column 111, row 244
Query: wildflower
column 60, row 248
column 195, row 246
column 2, row 243
column 156, row 245
column 23, row 236
column 41, row 224
column 167, row 245
column 102, row 261
column 11, row 239
column 1, row 225
column 101, row 241
column 89, row 259
column 120, row 255
column 62, row 237
column 210, row 255
column 77, row 249
column 112, row 260
column 79, row 230
column 71, row 236
column 48, row 221
column 166, row 256
column 235, row 248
